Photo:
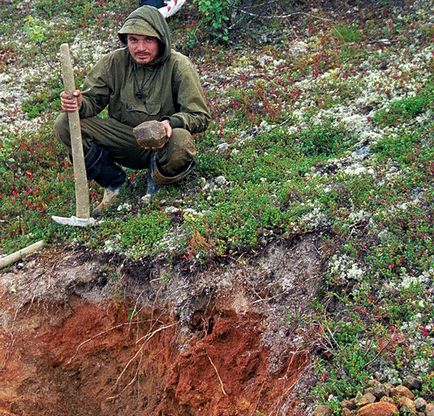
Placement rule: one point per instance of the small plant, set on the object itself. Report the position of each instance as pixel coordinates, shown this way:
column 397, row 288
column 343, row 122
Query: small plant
column 343, row 368
column 347, row 33
column 216, row 17
column 35, row 30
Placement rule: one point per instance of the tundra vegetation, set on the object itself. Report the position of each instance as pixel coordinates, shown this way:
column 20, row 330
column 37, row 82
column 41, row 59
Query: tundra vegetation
column 322, row 124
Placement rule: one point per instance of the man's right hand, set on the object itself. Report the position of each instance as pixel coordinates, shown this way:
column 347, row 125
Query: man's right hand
column 70, row 103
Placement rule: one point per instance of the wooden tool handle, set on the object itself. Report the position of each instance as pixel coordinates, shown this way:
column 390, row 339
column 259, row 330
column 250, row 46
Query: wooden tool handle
column 80, row 177
column 18, row 255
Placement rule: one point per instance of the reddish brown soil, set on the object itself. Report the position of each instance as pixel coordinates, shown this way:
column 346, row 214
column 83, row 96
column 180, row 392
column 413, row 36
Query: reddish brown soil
column 86, row 359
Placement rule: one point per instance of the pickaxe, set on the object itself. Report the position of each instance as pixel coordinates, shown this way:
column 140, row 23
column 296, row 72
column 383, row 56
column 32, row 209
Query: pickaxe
column 82, row 218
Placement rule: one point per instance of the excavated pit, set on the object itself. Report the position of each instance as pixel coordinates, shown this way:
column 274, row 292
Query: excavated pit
column 75, row 339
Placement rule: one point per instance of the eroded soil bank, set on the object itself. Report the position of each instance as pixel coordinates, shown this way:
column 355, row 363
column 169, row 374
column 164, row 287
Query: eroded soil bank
column 83, row 335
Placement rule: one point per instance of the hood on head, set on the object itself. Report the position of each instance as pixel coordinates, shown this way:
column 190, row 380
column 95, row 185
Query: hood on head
column 148, row 21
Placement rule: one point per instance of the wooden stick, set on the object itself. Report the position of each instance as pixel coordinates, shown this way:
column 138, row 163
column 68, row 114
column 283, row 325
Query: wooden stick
column 12, row 258
column 81, row 186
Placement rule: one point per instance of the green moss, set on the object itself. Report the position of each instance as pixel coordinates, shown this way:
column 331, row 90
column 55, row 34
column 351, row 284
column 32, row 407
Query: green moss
column 325, row 139
column 406, row 109
column 141, row 234
column 237, row 220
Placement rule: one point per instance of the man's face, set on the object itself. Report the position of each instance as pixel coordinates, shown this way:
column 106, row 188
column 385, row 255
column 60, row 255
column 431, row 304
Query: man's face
column 143, row 49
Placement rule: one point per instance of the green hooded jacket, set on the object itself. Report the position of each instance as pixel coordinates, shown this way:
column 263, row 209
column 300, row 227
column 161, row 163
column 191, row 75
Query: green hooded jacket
column 167, row 88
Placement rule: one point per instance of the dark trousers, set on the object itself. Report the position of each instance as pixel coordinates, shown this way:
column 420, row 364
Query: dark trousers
column 155, row 3
column 119, row 141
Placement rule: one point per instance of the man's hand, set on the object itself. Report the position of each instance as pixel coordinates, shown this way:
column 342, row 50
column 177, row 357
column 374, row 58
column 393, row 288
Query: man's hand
column 167, row 127
column 168, row 130
column 70, row 103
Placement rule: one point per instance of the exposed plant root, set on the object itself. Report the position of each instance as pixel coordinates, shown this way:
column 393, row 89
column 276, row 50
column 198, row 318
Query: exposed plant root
column 291, row 386
column 218, row 375
column 146, row 339
column 101, row 334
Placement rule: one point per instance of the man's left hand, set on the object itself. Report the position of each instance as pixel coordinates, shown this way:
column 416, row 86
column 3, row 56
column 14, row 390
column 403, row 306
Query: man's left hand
column 168, row 130
column 167, row 127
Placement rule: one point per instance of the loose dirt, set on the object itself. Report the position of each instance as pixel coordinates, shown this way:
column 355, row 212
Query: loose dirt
column 82, row 334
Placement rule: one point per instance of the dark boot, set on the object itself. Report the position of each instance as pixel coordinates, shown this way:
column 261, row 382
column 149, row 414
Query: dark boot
column 151, row 186
column 101, row 168
column 156, row 177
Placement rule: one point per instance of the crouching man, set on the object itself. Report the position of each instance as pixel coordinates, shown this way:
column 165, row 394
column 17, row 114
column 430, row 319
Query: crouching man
column 144, row 81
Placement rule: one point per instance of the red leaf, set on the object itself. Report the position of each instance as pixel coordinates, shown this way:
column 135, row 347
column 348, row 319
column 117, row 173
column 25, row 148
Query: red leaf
column 425, row 331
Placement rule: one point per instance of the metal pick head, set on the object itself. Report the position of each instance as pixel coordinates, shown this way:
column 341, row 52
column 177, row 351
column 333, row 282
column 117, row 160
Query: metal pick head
column 75, row 221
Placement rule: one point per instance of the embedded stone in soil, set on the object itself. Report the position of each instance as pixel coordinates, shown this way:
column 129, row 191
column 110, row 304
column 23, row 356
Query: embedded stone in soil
column 90, row 358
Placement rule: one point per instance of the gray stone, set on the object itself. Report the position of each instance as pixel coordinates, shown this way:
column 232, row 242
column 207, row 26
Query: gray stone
column 322, row 410
column 349, row 404
column 362, row 152
column 171, row 210
column 380, row 390
column 367, row 398
column 223, row 146
column 297, row 48
column 387, row 399
column 388, row 387
column 420, row 404
column 412, row 383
